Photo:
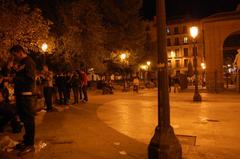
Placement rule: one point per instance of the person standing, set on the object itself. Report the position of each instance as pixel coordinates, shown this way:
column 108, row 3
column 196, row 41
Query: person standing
column 24, row 81
column 47, row 87
column 75, row 86
column 84, row 86
column 136, row 83
column 80, row 85
column 176, row 83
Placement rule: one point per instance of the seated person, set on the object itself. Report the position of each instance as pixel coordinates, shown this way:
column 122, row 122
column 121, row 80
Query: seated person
column 107, row 87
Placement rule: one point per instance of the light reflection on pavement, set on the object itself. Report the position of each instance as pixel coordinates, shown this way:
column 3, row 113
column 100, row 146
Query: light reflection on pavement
column 215, row 121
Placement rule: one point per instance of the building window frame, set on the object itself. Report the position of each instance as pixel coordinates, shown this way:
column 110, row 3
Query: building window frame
column 185, row 52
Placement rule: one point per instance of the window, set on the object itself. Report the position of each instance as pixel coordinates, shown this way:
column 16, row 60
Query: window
column 185, row 40
column 168, row 42
column 185, row 51
column 176, row 41
column 176, row 31
column 169, row 63
column 176, row 53
column 168, row 31
column 184, row 29
column 186, row 63
column 177, row 63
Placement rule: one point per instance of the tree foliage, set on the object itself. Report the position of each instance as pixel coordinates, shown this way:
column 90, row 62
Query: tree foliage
column 126, row 29
column 83, row 40
column 20, row 25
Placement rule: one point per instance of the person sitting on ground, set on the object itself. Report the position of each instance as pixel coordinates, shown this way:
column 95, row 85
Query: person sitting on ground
column 107, row 87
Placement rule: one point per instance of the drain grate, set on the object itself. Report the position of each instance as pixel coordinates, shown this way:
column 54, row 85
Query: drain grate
column 61, row 142
column 187, row 139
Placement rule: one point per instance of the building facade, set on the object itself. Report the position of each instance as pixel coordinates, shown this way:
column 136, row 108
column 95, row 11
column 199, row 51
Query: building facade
column 180, row 44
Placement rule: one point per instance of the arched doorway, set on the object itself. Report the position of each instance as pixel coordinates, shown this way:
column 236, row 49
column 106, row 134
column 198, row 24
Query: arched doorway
column 230, row 46
column 218, row 29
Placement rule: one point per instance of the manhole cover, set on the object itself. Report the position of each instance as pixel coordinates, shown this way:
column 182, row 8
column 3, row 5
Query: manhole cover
column 187, row 139
column 213, row 120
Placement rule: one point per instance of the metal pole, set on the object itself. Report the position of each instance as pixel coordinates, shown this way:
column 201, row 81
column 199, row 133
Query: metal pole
column 197, row 97
column 164, row 144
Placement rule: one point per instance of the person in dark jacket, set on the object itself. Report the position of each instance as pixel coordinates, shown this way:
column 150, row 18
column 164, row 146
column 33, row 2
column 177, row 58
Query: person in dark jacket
column 24, row 81
column 61, row 86
column 75, row 86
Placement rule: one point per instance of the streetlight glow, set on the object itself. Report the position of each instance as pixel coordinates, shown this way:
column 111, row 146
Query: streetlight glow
column 123, row 56
column 148, row 63
column 194, row 32
column 144, row 67
column 44, row 47
column 203, row 65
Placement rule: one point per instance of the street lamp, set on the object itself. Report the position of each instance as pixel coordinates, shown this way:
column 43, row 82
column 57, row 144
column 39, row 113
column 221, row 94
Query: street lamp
column 123, row 57
column 203, row 65
column 44, row 49
column 164, row 143
column 148, row 63
column 194, row 33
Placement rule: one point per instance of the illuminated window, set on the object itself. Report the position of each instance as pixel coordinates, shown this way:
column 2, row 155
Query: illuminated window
column 168, row 31
column 185, row 40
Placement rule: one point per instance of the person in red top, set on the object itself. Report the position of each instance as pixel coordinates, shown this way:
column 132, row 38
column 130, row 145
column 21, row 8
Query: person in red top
column 84, row 85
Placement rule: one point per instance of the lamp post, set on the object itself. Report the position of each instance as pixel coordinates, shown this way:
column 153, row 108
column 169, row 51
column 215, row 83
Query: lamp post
column 44, row 49
column 148, row 69
column 164, row 144
column 123, row 57
column 203, row 65
column 194, row 33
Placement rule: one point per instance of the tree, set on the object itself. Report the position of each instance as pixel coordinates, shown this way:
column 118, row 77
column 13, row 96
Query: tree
column 23, row 26
column 83, row 40
column 126, row 29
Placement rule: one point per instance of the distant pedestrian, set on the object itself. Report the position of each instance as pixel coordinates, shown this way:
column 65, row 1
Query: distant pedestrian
column 75, row 86
column 169, row 83
column 80, row 84
column 84, row 85
column 136, row 83
column 61, row 86
column 176, row 83
column 25, row 99
column 47, row 87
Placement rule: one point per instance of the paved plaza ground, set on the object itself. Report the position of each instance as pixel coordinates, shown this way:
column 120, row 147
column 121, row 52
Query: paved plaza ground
column 120, row 126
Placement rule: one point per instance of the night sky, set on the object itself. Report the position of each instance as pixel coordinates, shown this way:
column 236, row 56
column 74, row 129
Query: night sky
column 194, row 8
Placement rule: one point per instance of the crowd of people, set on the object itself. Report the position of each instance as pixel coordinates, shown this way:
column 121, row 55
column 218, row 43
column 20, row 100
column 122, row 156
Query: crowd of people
column 20, row 87
column 57, row 87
